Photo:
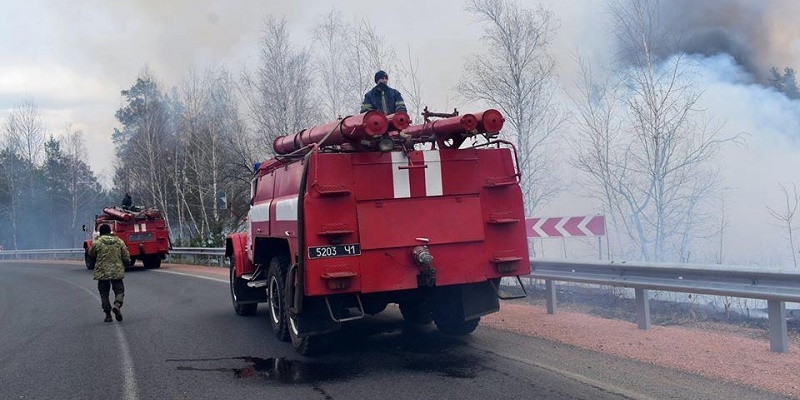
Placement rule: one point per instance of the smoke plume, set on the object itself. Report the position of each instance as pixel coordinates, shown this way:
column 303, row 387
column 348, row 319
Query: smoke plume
column 757, row 34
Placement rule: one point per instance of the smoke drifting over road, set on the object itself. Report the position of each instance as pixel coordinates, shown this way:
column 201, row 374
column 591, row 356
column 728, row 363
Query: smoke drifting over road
column 757, row 34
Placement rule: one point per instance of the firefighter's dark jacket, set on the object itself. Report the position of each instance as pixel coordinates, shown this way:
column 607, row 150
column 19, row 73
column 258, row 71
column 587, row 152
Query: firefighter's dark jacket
column 384, row 99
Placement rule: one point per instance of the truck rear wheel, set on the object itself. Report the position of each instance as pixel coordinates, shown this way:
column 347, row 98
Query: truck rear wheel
column 276, row 292
column 458, row 328
column 151, row 261
column 307, row 345
column 237, row 286
column 416, row 312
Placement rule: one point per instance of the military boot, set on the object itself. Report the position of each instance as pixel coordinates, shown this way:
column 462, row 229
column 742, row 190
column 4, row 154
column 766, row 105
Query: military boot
column 117, row 312
column 108, row 316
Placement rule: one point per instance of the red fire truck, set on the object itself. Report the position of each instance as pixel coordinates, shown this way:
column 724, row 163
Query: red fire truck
column 142, row 229
column 365, row 211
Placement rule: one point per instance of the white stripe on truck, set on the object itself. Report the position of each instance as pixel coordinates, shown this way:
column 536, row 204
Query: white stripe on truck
column 400, row 180
column 433, row 173
column 286, row 209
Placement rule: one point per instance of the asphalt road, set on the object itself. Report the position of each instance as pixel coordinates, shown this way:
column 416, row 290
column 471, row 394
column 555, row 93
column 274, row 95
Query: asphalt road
column 180, row 339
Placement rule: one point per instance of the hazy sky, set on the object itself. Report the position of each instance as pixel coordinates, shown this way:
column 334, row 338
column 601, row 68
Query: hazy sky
column 73, row 58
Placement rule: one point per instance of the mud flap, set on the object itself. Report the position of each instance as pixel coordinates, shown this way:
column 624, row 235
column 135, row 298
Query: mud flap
column 315, row 318
column 464, row 302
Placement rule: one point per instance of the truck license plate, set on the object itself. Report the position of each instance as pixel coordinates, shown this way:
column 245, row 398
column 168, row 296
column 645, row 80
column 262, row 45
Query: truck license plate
column 342, row 250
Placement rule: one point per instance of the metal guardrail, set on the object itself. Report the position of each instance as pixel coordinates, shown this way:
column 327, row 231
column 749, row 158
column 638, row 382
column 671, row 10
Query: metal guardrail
column 198, row 251
column 776, row 287
column 31, row 254
column 209, row 253
column 195, row 252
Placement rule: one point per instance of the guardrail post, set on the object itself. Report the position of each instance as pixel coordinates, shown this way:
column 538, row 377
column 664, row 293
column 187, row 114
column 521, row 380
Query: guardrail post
column 550, row 294
column 642, row 309
column 778, row 337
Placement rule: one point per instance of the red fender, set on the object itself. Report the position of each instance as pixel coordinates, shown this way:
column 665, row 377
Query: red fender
column 236, row 247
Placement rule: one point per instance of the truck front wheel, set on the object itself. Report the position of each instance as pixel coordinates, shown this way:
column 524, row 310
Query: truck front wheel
column 276, row 289
column 237, row 287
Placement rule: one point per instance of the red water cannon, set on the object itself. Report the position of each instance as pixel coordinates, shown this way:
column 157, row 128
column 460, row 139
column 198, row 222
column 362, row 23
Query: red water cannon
column 454, row 128
column 356, row 130
column 117, row 214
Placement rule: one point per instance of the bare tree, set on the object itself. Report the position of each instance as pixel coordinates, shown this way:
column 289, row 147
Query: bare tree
column 279, row 92
column 81, row 186
column 411, row 85
column 349, row 55
column 25, row 132
column 210, row 125
column 146, row 144
column 73, row 144
column 370, row 52
column 10, row 171
column 339, row 86
column 645, row 144
column 517, row 77
column 24, row 140
column 723, row 226
column 597, row 150
column 787, row 216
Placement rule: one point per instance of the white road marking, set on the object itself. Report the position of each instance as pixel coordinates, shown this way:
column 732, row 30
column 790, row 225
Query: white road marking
column 193, row 276
column 571, row 375
column 130, row 390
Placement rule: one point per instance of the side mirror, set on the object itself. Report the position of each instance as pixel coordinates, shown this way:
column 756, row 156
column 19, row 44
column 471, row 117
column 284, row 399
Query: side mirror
column 84, row 227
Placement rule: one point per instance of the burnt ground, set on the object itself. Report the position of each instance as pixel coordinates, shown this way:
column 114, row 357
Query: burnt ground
column 697, row 313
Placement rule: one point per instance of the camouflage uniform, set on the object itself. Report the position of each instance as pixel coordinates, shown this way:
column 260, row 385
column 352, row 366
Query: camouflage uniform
column 110, row 255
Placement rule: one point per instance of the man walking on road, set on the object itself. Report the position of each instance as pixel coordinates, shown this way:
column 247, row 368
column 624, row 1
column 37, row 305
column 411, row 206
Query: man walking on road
column 110, row 255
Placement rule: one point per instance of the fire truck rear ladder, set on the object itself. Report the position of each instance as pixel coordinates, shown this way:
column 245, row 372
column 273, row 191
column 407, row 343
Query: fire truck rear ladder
column 503, row 296
column 360, row 309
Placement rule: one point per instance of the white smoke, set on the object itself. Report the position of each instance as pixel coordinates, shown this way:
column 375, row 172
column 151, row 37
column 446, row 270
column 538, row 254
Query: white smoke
column 752, row 173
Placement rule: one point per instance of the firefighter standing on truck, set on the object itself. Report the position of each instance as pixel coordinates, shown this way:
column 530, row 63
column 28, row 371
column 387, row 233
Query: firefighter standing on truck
column 127, row 201
column 382, row 97
column 110, row 255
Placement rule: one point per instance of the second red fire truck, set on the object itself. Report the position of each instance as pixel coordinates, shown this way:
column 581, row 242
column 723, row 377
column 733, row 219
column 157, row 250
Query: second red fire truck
column 144, row 232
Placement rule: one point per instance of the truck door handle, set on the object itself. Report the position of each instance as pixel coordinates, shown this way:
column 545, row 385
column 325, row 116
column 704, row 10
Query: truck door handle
column 413, row 166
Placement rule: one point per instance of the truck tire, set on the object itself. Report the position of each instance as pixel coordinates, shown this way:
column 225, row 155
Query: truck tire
column 276, row 291
column 89, row 262
column 458, row 328
column 305, row 346
column 237, row 285
column 416, row 312
column 151, row 261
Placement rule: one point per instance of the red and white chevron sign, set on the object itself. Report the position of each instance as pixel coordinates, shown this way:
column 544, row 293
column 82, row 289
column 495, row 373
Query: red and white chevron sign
column 591, row 225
